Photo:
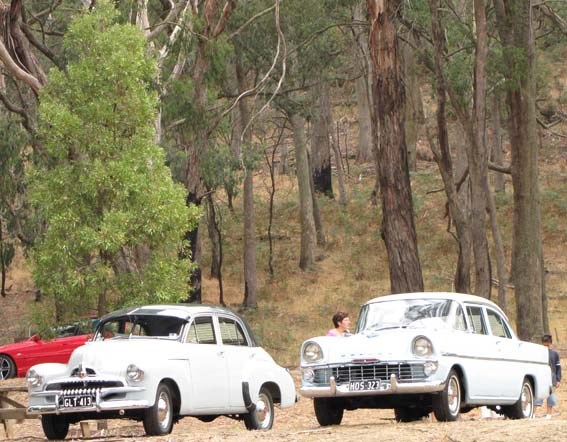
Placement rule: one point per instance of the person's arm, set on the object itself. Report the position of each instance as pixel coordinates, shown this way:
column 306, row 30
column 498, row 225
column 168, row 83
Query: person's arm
column 558, row 369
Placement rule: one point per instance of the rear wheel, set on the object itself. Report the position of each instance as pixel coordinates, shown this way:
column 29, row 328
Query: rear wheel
column 447, row 404
column 54, row 426
column 158, row 420
column 524, row 407
column 7, row 367
column 328, row 411
column 262, row 418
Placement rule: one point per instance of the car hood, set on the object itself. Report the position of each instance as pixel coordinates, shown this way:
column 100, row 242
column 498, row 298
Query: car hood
column 18, row 346
column 113, row 356
column 384, row 345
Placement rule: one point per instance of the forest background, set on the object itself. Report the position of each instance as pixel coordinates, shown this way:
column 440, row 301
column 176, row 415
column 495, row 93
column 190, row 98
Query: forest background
column 286, row 158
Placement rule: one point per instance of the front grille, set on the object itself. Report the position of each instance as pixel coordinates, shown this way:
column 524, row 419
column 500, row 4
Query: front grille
column 404, row 372
column 83, row 384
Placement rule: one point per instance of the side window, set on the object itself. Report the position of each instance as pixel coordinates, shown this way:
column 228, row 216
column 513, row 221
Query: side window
column 231, row 332
column 476, row 320
column 497, row 325
column 202, row 331
column 460, row 323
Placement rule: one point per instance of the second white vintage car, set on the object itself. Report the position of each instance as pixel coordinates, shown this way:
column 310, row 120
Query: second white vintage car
column 418, row 353
column 157, row 364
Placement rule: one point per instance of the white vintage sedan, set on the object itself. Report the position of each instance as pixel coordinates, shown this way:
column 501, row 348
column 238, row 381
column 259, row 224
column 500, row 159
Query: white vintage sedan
column 417, row 353
column 157, row 364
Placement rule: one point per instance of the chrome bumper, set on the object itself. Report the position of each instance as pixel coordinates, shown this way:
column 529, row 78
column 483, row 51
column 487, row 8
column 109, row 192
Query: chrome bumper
column 392, row 387
column 99, row 405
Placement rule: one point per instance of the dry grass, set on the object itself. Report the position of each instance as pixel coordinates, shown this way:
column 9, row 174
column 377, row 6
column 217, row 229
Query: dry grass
column 352, row 266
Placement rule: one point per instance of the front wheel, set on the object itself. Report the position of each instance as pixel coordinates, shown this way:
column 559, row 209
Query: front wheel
column 262, row 418
column 328, row 411
column 54, row 427
column 524, row 407
column 158, row 419
column 447, row 404
column 7, row 367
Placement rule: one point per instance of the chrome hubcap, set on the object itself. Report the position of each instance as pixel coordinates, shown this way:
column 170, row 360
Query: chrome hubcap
column 163, row 409
column 263, row 412
column 453, row 395
column 527, row 401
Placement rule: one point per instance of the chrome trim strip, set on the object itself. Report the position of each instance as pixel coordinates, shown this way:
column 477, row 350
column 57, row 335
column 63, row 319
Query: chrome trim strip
column 389, row 388
column 483, row 358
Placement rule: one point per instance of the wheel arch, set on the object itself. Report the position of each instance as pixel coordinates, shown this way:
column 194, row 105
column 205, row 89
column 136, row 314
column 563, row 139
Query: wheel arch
column 274, row 390
column 532, row 380
column 176, row 399
column 463, row 380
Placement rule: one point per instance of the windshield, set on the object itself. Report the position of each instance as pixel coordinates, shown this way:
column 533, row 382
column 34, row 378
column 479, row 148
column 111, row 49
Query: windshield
column 406, row 313
column 140, row 326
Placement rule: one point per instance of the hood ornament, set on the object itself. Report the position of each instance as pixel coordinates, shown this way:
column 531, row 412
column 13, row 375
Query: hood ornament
column 82, row 372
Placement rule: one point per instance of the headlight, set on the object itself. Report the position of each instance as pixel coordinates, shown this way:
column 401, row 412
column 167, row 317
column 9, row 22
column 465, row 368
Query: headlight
column 134, row 373
column 33, row 378
column 308, row 374
column 422, row 346
column 429, row 368
column 312, row 352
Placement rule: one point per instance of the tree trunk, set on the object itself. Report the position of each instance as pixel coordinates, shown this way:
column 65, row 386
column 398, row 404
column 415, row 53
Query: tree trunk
column 413, row 102
column 319, row 233
column 398, row 227
column 514, row 18
column 478, row 158
column 250, row 278
column 498, row 178
column 462, row 281
column 213, row 238
column 307, row 248
column 500, row 254
column 320, row 147
column 362, row 90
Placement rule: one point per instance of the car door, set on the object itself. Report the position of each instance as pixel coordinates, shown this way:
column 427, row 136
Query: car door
column 207, row 364
column 238, row 353
column 509, row 373
column 480, row 356
column 43, row 351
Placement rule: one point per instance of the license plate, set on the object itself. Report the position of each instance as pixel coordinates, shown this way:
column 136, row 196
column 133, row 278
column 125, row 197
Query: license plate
column 76, row 401
column 364, row 385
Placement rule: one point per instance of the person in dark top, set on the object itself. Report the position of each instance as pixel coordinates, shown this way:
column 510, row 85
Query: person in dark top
column 555, row 364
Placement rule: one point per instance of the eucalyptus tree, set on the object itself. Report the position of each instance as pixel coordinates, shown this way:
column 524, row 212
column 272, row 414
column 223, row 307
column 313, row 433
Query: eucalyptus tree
column 114, row 218
column 398, row 225
column 13, row 207
column 517, row 33
column 310, row 44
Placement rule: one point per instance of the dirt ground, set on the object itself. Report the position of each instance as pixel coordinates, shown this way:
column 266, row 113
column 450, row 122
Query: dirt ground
column 298, row 423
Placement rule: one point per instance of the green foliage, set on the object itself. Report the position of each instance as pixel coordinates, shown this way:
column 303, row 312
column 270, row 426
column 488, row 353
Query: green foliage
column 220, row 169
column 114, row 217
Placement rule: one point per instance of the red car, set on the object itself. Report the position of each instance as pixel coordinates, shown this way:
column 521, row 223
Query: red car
column 15, row 359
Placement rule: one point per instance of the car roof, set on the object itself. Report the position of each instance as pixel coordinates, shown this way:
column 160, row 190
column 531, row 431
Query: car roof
column 182, row 311
column 459, row 297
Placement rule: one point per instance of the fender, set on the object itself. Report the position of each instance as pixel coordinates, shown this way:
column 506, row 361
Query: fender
column 250, row 406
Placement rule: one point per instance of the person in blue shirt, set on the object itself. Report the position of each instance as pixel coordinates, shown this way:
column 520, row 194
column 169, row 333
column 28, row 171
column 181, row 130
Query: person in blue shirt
column 555, row 365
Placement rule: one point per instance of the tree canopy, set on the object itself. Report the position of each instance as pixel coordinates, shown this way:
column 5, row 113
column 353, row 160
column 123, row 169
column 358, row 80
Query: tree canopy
column 113, row 216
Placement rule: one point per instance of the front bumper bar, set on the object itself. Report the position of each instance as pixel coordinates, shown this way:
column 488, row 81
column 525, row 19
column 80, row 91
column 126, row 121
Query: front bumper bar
column 99, row 405
column 391, row 387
